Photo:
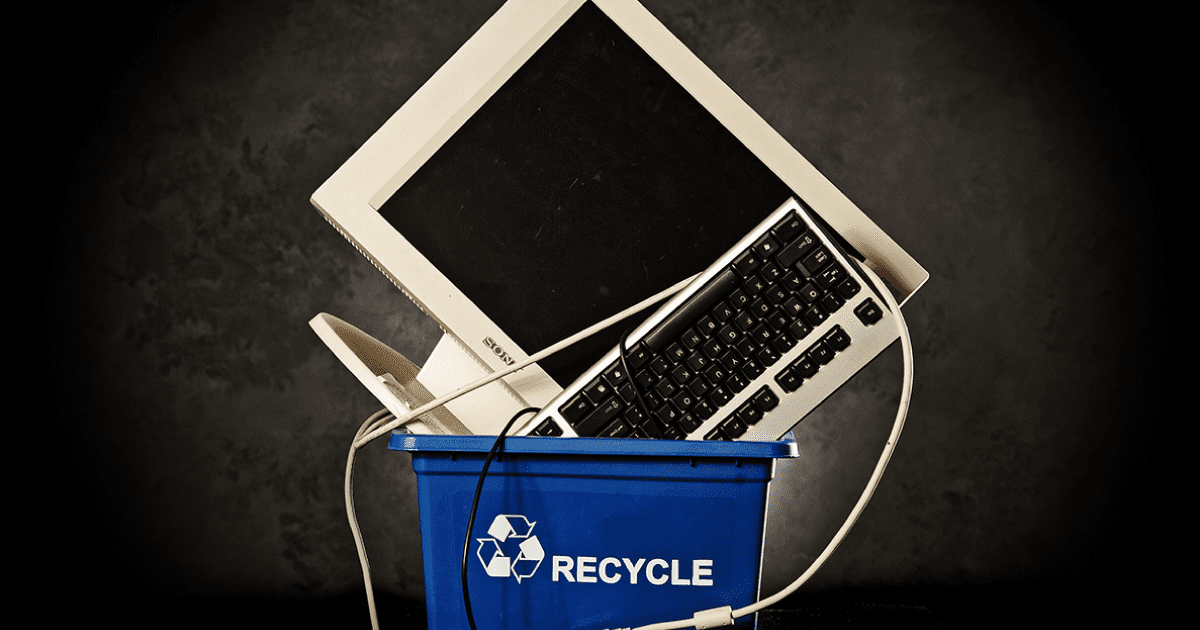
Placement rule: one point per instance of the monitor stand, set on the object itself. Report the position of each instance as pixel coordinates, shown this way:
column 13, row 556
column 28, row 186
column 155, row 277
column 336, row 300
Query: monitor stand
column 450, row 367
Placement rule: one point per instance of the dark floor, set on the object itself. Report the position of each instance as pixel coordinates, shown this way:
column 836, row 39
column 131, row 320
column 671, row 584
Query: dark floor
column 917, row 609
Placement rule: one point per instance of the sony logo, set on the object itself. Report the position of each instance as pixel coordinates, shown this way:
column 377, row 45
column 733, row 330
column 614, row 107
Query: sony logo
column 491, row 344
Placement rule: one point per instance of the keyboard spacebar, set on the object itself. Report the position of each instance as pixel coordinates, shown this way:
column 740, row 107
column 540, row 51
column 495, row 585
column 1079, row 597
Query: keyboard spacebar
column 691, row 310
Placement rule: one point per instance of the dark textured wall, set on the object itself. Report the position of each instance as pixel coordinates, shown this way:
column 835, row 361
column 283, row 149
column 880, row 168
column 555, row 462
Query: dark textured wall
column 1000, row 143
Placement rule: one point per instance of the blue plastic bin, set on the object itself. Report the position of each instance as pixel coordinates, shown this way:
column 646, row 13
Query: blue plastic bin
column 591, row 532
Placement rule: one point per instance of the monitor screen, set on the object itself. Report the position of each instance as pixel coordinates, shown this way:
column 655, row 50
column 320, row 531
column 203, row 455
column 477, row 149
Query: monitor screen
column 588, row 182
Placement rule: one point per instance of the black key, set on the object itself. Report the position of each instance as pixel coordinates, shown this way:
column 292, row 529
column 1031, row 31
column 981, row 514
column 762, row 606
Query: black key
column 805, row 366
column 848, row 288
column 837, row 339
column 691, row 338
column 831, row 302
column 698, row 386
column 816, row 261
column 793, row 307
column 795, row 250
column 732, row 360
column 675, row 353
column 831, row 276
column 787, row 228
column 701, row 412
column 634, row 416
column 684, row 399
column 697, row 361
column 734, row 427
column 745, row 347
column 738, row 299
column 706, row 326
column 789, row 381
column 783, row 343
column 748, row 414
column 766, row 247
column 779, row 320
column 712, row 348
column 821, row 353
column 548, row 428
column 752, row 369
column 728, row 334
column 765, row 399
column 627, row 392
column 754, row 285
column 597, row 390
column 667, row 414
column 700, row 303
column 809, row 293
column 868, row 312
column 777, row 294
column 665, row 388
column 815, row 315
column 681, row 373
column 615, row 429
column 721, row 312
column 767, row 355
column 673, row 433
column 736, row 383
column 653, row 428
column 716, row 434
column 719, row 395
column 761, row 308
column 799, row 329
column 615, row 374
column 636, row 357
column 576, row 408
column 770, row 272
column 791, row 281
column 659, row 365
column 747, row 262
column 762, row 334
column 716, row 374
column 689, row 422
column 744, row 321
column 599, row 418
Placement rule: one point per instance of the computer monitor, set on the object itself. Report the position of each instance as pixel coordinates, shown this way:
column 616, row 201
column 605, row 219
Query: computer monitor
column 571, row 159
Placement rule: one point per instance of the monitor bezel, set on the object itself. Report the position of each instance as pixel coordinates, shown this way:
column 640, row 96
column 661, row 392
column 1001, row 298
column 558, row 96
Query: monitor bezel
column 351, row 197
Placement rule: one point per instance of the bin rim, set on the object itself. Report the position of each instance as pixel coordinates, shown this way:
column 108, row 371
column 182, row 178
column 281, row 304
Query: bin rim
column 416, row 443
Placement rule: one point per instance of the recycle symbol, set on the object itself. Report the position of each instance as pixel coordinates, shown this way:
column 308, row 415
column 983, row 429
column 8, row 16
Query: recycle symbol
column 504, row 527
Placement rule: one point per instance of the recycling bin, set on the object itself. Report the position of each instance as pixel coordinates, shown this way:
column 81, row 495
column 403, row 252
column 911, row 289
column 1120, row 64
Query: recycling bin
column 590, row 532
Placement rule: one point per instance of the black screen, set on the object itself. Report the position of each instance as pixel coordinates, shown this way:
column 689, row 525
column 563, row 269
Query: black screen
column 590, row 181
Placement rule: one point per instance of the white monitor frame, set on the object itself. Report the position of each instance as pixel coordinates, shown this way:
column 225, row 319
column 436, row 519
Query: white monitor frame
column 351, row 197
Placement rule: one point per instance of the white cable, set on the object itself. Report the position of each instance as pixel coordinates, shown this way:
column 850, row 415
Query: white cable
column 583, row 334
column 872, row 483
column 378, row 423
column 370, row 422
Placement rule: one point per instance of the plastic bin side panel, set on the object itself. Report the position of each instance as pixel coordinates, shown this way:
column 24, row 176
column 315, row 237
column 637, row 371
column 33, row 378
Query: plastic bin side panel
column 588, row 551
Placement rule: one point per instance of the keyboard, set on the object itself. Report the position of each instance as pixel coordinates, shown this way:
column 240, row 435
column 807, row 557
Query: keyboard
column 749, row 348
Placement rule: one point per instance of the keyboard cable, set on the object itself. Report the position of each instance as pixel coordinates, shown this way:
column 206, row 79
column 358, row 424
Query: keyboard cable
column 383, row 422
column 725, row 615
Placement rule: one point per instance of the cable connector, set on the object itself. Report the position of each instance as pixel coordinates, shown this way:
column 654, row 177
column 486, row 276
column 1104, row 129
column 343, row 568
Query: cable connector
column 713, row 618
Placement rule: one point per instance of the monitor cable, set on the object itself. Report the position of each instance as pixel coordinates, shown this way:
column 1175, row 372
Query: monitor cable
column 383, row 422
column 726, row 615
